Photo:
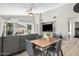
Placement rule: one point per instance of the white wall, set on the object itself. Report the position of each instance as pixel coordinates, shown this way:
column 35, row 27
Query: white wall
column 62, row 14
column 1, row 26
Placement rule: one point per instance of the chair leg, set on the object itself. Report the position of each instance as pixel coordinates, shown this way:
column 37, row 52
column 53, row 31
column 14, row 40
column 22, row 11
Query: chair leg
column 61, row 52
column 58, row 53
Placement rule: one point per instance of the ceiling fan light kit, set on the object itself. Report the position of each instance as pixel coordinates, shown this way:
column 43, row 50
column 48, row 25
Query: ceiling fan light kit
column 29, row 12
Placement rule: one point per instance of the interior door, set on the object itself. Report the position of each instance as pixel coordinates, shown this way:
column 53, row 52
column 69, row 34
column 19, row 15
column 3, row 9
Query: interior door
column 76, row 29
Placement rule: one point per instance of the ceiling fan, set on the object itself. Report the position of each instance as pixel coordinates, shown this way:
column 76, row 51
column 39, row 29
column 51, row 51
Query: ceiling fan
column 30, row 11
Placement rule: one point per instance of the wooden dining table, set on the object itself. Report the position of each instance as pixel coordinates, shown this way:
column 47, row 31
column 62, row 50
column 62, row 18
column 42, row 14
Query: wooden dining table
column 44, row 43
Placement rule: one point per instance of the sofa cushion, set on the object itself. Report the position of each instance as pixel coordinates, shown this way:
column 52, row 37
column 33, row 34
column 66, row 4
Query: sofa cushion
column 33, row 36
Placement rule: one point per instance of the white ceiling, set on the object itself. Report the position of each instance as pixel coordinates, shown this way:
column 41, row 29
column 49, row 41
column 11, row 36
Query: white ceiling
column 37, row 7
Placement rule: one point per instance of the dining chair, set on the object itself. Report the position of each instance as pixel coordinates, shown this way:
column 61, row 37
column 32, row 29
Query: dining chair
column 29, row 48
column 55, row 49
column 32, row 51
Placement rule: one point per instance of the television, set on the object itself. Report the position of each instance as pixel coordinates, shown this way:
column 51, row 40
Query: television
column 47, row 27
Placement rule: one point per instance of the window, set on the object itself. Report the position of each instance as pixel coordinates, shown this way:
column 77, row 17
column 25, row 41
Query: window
column 29, row 28
column 20, row 29
column 9, row 28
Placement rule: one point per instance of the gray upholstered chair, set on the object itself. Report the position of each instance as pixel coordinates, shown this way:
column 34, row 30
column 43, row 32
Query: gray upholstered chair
column 32, row 51
column 56, row 50
column 29, row 48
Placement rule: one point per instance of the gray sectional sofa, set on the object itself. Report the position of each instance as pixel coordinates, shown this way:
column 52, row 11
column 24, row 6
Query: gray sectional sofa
column 0, row 45
column 14, row 44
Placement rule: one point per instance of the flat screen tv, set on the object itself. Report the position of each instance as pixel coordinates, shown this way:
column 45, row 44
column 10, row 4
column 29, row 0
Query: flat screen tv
column 47, row 27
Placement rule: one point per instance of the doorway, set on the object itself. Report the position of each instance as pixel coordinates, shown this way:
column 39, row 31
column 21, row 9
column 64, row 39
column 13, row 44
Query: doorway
column 77, row 29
